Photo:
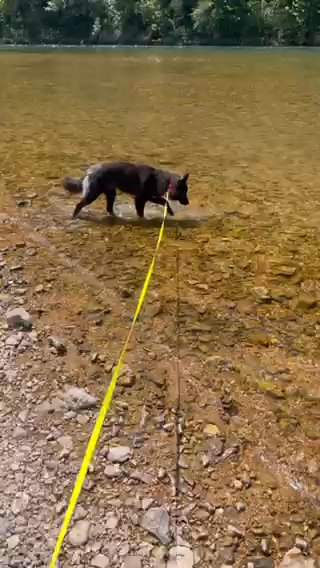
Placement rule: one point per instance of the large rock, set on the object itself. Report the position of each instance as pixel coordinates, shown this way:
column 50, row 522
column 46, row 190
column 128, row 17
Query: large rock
column 19, row 317
column 157, row 522
column 79, row 399
column 294, row 559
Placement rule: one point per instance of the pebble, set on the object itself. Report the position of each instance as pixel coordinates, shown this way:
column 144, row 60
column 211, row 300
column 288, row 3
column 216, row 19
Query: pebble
column 100, row 561
column 260, row 562
column 294, row 559
column 79, row 399
column 119, row 454
column 19, row 317
column 144, row 477
column 234, row 531
column 79, row 534
column 156, row 521
column 13, row 541
column 112, row 522
column 180, row 557
column 132, row 562
column 20, row 503
column 58, row 344
column 112, row 471
column 65, row 442
column 211, row 430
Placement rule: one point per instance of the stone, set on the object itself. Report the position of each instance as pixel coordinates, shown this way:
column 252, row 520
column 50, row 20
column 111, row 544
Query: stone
column 100, row 561
column 4, row 525
column 235, row 532
column 20, row 503
column 132, row 562
column 180, row 557
column 58, row 344
column 141, row 476
column 78, row 399
column 260, row 562
column 294, row 559
column 271, row 389
column 19, row 433
column 156, row 521
column 112, row 522
column 262, row 294
column 112, row 471
column 65, row 442
column 79, row 534
column 19, row 318
column 13, row 541
column 211, row 430
column 127, row 377
column 307, row 301
column 119, row 454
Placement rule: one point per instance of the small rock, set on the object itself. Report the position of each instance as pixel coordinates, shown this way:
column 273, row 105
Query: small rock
column 78, row 399
column 234, row 531
column 301, row 544
column 57, row 344
column 127, row 377
column 237, row 484
column 265, row 546
column 4, row 525
column 20, row 503
column 294, row 559
column 146, row 503
column 180, row 557
column 260, row 562
column 112, row 471
column 132, row 562
column 79, row 534
column 262, row 294
column 66, row 442
column 13, row 541
column 144, row 477
column 119, row 454
column 156, row 521
column 100, row 561
column 211, row 430
column 271, row 389
column 307, row 301
column 112, row 522
column 19, row 433
column 18, row 318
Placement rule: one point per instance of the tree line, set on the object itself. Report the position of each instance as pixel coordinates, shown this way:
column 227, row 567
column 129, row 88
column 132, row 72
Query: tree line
column 212, row 22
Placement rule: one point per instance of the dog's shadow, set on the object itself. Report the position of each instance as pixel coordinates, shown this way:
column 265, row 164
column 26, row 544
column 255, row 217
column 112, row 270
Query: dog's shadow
column 149, row 221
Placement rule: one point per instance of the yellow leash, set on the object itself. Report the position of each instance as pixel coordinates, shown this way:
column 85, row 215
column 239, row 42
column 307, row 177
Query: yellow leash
column 105, row 407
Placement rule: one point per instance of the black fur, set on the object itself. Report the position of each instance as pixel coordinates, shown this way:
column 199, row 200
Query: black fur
column 144, row 182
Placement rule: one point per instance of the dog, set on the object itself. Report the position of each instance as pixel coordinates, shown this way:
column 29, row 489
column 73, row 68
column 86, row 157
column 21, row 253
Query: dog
column 143, row 182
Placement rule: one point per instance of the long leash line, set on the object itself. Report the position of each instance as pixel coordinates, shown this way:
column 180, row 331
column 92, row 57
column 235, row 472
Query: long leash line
column 178, row 417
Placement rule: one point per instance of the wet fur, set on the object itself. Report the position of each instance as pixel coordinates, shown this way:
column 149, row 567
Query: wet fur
column 143, row 182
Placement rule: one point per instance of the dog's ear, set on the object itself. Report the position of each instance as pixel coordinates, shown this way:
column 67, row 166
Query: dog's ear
column 185, row 177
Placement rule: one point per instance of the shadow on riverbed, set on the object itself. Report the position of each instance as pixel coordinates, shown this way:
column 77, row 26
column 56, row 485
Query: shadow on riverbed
column 126, row 215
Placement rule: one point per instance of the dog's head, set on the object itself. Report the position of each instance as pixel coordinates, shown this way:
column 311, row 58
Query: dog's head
column 180, row 190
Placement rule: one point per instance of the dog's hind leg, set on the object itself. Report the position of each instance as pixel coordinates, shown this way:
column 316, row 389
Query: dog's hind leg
column 110, row 198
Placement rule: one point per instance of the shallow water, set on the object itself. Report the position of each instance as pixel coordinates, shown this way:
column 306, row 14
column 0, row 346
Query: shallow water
column 244, row 123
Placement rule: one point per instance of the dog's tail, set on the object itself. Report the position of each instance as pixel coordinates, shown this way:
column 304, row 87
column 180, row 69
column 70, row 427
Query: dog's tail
column 72, row 185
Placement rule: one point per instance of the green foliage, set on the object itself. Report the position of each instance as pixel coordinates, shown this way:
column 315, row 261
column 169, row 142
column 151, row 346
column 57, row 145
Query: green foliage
column 177, row 21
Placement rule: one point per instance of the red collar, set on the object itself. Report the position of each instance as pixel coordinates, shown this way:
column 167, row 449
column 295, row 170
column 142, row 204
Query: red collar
column 170, row 189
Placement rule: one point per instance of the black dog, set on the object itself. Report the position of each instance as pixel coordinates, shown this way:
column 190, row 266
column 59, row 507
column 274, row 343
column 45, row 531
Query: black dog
column 145, row 183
